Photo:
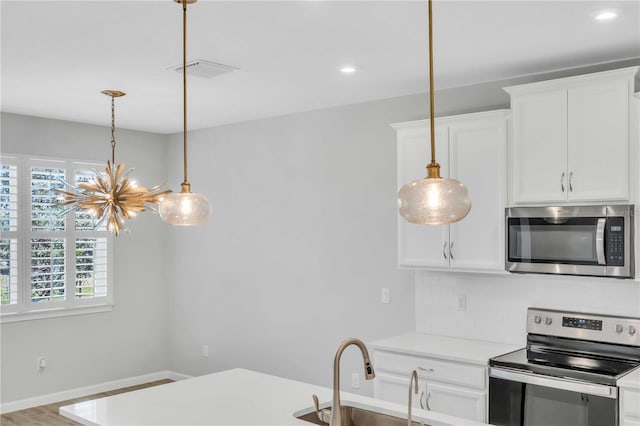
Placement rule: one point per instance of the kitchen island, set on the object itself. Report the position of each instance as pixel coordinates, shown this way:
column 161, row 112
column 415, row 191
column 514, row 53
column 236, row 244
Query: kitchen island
column 231, row 397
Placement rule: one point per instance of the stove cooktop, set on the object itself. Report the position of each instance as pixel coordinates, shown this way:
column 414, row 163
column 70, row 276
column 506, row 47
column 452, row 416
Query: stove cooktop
column 593, row 369
column 594, row 348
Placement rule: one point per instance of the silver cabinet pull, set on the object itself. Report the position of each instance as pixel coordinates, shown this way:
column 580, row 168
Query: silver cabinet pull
column 570, row 181
column 451, row 251
column 427, row 401
column 421, row 403
column 562, row 182
column 444, row 250
column 428, row 370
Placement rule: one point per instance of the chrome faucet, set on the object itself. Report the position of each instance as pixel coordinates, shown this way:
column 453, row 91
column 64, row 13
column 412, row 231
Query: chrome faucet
column 334, row 417
column 413, row 383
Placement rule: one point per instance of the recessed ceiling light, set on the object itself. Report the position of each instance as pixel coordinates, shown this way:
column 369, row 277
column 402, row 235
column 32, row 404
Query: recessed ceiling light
column 605, row 15
column 348, row 69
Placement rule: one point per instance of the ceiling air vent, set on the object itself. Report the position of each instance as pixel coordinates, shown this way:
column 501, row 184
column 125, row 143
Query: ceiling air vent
column 204, row 69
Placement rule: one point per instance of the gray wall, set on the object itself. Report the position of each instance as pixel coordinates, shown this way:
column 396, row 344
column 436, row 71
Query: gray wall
column 301, row 241
column 131, row 340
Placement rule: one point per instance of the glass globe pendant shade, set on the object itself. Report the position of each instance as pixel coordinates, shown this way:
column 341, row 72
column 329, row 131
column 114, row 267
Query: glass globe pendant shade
column 184, row 209
column 434, row 201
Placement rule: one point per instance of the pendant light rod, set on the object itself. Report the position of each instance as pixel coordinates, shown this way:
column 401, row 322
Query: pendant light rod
column 431, row 95
column 185, row 186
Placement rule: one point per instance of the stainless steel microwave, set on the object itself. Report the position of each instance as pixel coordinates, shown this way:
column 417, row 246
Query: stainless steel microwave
column 572, row 240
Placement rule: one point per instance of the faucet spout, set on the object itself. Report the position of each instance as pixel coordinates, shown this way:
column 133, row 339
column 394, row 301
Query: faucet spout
column 336, row 408
column 413, row 383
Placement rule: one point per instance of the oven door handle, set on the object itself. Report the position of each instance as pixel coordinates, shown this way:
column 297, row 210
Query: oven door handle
column 555, row 383
column 600, row 241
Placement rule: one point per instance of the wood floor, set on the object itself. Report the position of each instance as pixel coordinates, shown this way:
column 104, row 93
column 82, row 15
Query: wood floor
column 47, row 415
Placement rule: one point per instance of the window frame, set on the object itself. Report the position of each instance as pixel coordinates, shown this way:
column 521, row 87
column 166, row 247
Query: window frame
column 25, row 308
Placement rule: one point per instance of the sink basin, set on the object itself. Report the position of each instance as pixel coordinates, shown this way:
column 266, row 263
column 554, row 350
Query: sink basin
column 354, row 416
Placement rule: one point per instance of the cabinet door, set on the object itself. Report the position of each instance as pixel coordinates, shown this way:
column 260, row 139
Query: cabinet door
column 599, row 141
column 630, row 421
column 421, row 245
column 630, row 406
column 394, row 388
column 539, row 152
column 455, row 401
column 478, row 160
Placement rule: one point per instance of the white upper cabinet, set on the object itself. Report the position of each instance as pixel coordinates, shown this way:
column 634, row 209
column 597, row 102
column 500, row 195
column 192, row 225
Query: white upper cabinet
column 539, row 158
column 572, row 139
column 472, row 149
column 598, row 141
column 477, row 149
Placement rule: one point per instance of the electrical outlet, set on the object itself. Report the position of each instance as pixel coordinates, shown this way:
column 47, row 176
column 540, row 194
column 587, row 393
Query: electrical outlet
column 355, row 380
column 385, row 295
column 205, row 351
column 41, row 363
column 462, row 302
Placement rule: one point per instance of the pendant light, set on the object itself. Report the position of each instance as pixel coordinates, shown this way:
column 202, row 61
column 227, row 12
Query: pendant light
column 111, row 196
column 184, row 208
column 433, row 200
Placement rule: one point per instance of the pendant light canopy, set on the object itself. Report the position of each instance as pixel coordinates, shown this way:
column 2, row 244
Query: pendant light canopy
column 111, row 196
column 433, row 200
column 184, row 208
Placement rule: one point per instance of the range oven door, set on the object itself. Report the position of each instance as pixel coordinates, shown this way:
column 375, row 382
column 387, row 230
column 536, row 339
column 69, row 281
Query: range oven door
column 526, row 399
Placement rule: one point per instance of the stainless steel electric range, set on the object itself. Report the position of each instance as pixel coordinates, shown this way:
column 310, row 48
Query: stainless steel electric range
column 568, row 373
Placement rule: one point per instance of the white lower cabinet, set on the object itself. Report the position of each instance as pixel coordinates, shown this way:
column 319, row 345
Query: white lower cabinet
column 448, row 387
column 456, row 400
column 395, row 388
column 629, row 407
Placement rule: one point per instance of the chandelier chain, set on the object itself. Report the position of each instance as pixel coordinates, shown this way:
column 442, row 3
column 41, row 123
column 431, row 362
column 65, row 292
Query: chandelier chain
column 113, row 130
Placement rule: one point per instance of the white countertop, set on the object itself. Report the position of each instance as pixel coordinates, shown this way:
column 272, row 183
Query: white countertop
column 449, row 348
column 232, row 397
column 631, row 380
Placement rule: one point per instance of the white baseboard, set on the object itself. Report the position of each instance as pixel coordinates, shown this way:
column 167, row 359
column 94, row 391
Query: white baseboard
column 177, row 376
column 23, row 404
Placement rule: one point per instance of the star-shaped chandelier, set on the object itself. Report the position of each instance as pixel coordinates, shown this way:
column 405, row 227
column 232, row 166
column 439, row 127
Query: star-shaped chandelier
column 112, row 196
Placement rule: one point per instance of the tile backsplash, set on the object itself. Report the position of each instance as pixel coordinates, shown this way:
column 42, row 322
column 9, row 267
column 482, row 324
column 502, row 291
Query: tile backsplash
column 493, row 306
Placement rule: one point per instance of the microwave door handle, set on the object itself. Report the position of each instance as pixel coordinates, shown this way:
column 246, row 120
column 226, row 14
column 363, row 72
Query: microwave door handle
column 600, row 241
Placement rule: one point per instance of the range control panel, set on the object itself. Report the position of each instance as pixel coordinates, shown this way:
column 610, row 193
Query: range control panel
column 587, row 324
column 577, row 325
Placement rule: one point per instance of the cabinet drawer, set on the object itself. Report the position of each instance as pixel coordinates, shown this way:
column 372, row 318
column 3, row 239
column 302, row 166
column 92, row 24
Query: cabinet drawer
column 430, row 368
column 631, row 403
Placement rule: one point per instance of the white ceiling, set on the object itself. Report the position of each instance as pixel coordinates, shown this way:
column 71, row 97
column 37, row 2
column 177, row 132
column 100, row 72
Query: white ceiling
column 58, row 55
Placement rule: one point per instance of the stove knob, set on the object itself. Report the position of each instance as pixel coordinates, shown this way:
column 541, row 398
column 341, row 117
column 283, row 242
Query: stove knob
column 537, row 319
column 619, row 328
column 632, row 330
column 548, row 320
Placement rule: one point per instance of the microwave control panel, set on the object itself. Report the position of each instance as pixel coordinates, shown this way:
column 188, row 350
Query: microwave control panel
column 615, row 241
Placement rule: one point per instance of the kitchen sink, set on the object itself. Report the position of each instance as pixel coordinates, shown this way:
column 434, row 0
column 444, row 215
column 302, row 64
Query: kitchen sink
column 354, row 416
